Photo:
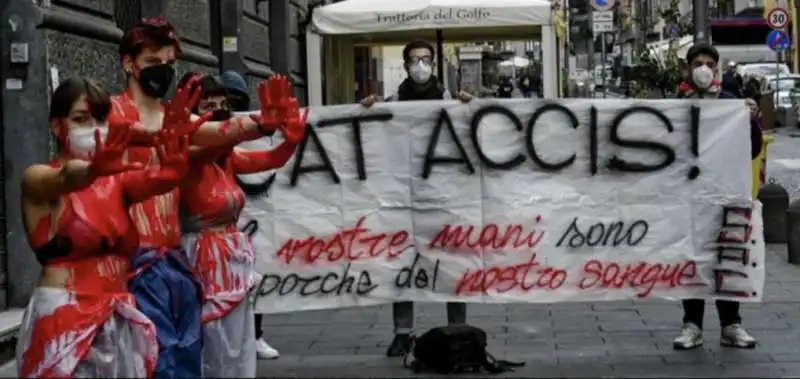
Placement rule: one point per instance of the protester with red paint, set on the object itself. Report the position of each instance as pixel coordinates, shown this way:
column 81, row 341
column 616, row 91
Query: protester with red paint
column 222, row 257
column 81, row 320
column 163, row 283
column 239, row 101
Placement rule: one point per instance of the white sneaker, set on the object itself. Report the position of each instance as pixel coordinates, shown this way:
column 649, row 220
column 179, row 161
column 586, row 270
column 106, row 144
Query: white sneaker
column 690, row 338
column 736, row 336
column 265, row 351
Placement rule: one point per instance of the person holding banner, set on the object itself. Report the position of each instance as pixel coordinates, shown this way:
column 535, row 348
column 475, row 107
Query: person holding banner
column 163, row 283
column 81, row 320
column 702, row 61
column 239, row 101
column 222, row 256
column 420, row 84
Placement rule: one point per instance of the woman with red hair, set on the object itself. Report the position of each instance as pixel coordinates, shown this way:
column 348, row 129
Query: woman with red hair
column 81, row 320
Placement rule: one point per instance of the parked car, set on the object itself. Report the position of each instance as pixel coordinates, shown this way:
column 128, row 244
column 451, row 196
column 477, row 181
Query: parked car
column 764, row 68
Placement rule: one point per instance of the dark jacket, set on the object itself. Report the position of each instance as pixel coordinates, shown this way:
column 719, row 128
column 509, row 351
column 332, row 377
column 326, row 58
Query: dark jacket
column 408, row 91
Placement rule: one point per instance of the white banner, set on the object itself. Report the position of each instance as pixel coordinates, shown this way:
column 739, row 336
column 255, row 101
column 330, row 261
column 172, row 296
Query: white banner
column 510, row 201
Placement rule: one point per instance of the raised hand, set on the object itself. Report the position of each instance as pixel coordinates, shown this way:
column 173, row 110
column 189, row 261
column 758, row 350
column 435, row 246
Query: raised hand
column 273, row 97
column 295, row 126
column 178, row 112
column 107, row 157
column 138, row 133
column 173, row 155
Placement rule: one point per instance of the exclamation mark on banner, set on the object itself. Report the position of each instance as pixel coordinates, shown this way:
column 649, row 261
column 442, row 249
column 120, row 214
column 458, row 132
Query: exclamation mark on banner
column 694, row 130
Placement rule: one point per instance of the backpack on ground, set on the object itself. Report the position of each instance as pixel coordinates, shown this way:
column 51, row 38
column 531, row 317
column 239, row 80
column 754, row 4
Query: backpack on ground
column 455, row 349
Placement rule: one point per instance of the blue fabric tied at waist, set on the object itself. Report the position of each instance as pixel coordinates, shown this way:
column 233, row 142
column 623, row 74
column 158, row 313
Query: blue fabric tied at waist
column 167, row 292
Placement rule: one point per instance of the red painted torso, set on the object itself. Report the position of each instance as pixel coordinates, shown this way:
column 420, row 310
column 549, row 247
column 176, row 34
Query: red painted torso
column 91, row 240
column 93, row 235
column 211, row 196
column 156, row 218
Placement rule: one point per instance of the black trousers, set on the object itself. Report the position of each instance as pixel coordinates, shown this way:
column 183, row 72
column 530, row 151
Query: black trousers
column 257, row 319
column 694, row 309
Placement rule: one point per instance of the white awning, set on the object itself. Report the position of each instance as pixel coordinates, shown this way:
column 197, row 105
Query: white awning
column 382, row 16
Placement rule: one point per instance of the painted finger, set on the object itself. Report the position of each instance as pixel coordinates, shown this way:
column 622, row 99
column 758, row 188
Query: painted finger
column 133, row 166
column 98, row 140
column 204, row 118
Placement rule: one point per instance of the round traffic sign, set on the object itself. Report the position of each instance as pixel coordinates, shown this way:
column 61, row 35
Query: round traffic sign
column 603, row 5
column 778, row 40
column 777, row 18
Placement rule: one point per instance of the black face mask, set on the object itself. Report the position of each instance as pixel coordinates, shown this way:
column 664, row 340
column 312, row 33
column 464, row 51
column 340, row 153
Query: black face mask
column 220, row 115
column 155, row 80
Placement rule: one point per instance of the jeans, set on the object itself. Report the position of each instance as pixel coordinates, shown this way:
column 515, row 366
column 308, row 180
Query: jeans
column 167, row 293
column 257, row 319
column 728, row 311
column 403, row 315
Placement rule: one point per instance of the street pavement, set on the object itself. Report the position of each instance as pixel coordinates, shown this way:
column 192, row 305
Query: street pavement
column 566, row 340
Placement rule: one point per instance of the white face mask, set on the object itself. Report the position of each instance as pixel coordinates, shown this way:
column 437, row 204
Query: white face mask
column 702, row 77
column 81, row 140
column 420, row 72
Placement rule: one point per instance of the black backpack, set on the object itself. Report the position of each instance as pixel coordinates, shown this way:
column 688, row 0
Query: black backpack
column 455, row 349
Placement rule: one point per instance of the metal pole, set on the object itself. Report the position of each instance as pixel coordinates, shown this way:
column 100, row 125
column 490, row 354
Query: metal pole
column 590, row 48
column 700, row 18
column 642, row 14
column 603, row 62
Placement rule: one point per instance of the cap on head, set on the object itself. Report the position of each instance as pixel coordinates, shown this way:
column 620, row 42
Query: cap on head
column 233, row 81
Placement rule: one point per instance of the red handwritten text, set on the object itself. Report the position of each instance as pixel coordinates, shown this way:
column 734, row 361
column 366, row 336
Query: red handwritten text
column 611, row 275
column 349, row 244
column 490, row 237
column 506, row 278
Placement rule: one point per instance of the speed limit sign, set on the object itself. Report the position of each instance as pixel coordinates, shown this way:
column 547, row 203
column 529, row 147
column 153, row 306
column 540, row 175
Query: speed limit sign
column 777, row 18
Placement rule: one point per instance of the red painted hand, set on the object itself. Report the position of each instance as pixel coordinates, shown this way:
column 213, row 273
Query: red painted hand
column 273, row 96
column 177, row 113
column 295, row 126
column 173, row 154
column 107, row 157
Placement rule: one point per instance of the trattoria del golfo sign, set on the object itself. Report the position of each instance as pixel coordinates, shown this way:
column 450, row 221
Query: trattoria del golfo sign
column 440, row 15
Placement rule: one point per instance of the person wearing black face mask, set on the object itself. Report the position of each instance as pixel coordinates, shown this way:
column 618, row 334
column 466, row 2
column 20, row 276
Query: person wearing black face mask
column 213, row 98
column 212, row 201
column 165, row 288
column 239, row 101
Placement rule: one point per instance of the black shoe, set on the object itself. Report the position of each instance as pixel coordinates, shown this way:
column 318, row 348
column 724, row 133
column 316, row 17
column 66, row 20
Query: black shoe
column 399, row 346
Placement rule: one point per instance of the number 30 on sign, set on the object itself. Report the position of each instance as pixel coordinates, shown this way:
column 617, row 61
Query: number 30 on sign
column 778, row 18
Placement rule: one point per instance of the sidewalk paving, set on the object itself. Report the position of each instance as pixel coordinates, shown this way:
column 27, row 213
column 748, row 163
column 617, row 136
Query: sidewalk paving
column 603, row 339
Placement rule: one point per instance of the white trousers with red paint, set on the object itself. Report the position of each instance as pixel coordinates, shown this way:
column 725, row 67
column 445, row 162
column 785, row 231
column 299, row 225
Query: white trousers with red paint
column 85, row 336
column 223, row 260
